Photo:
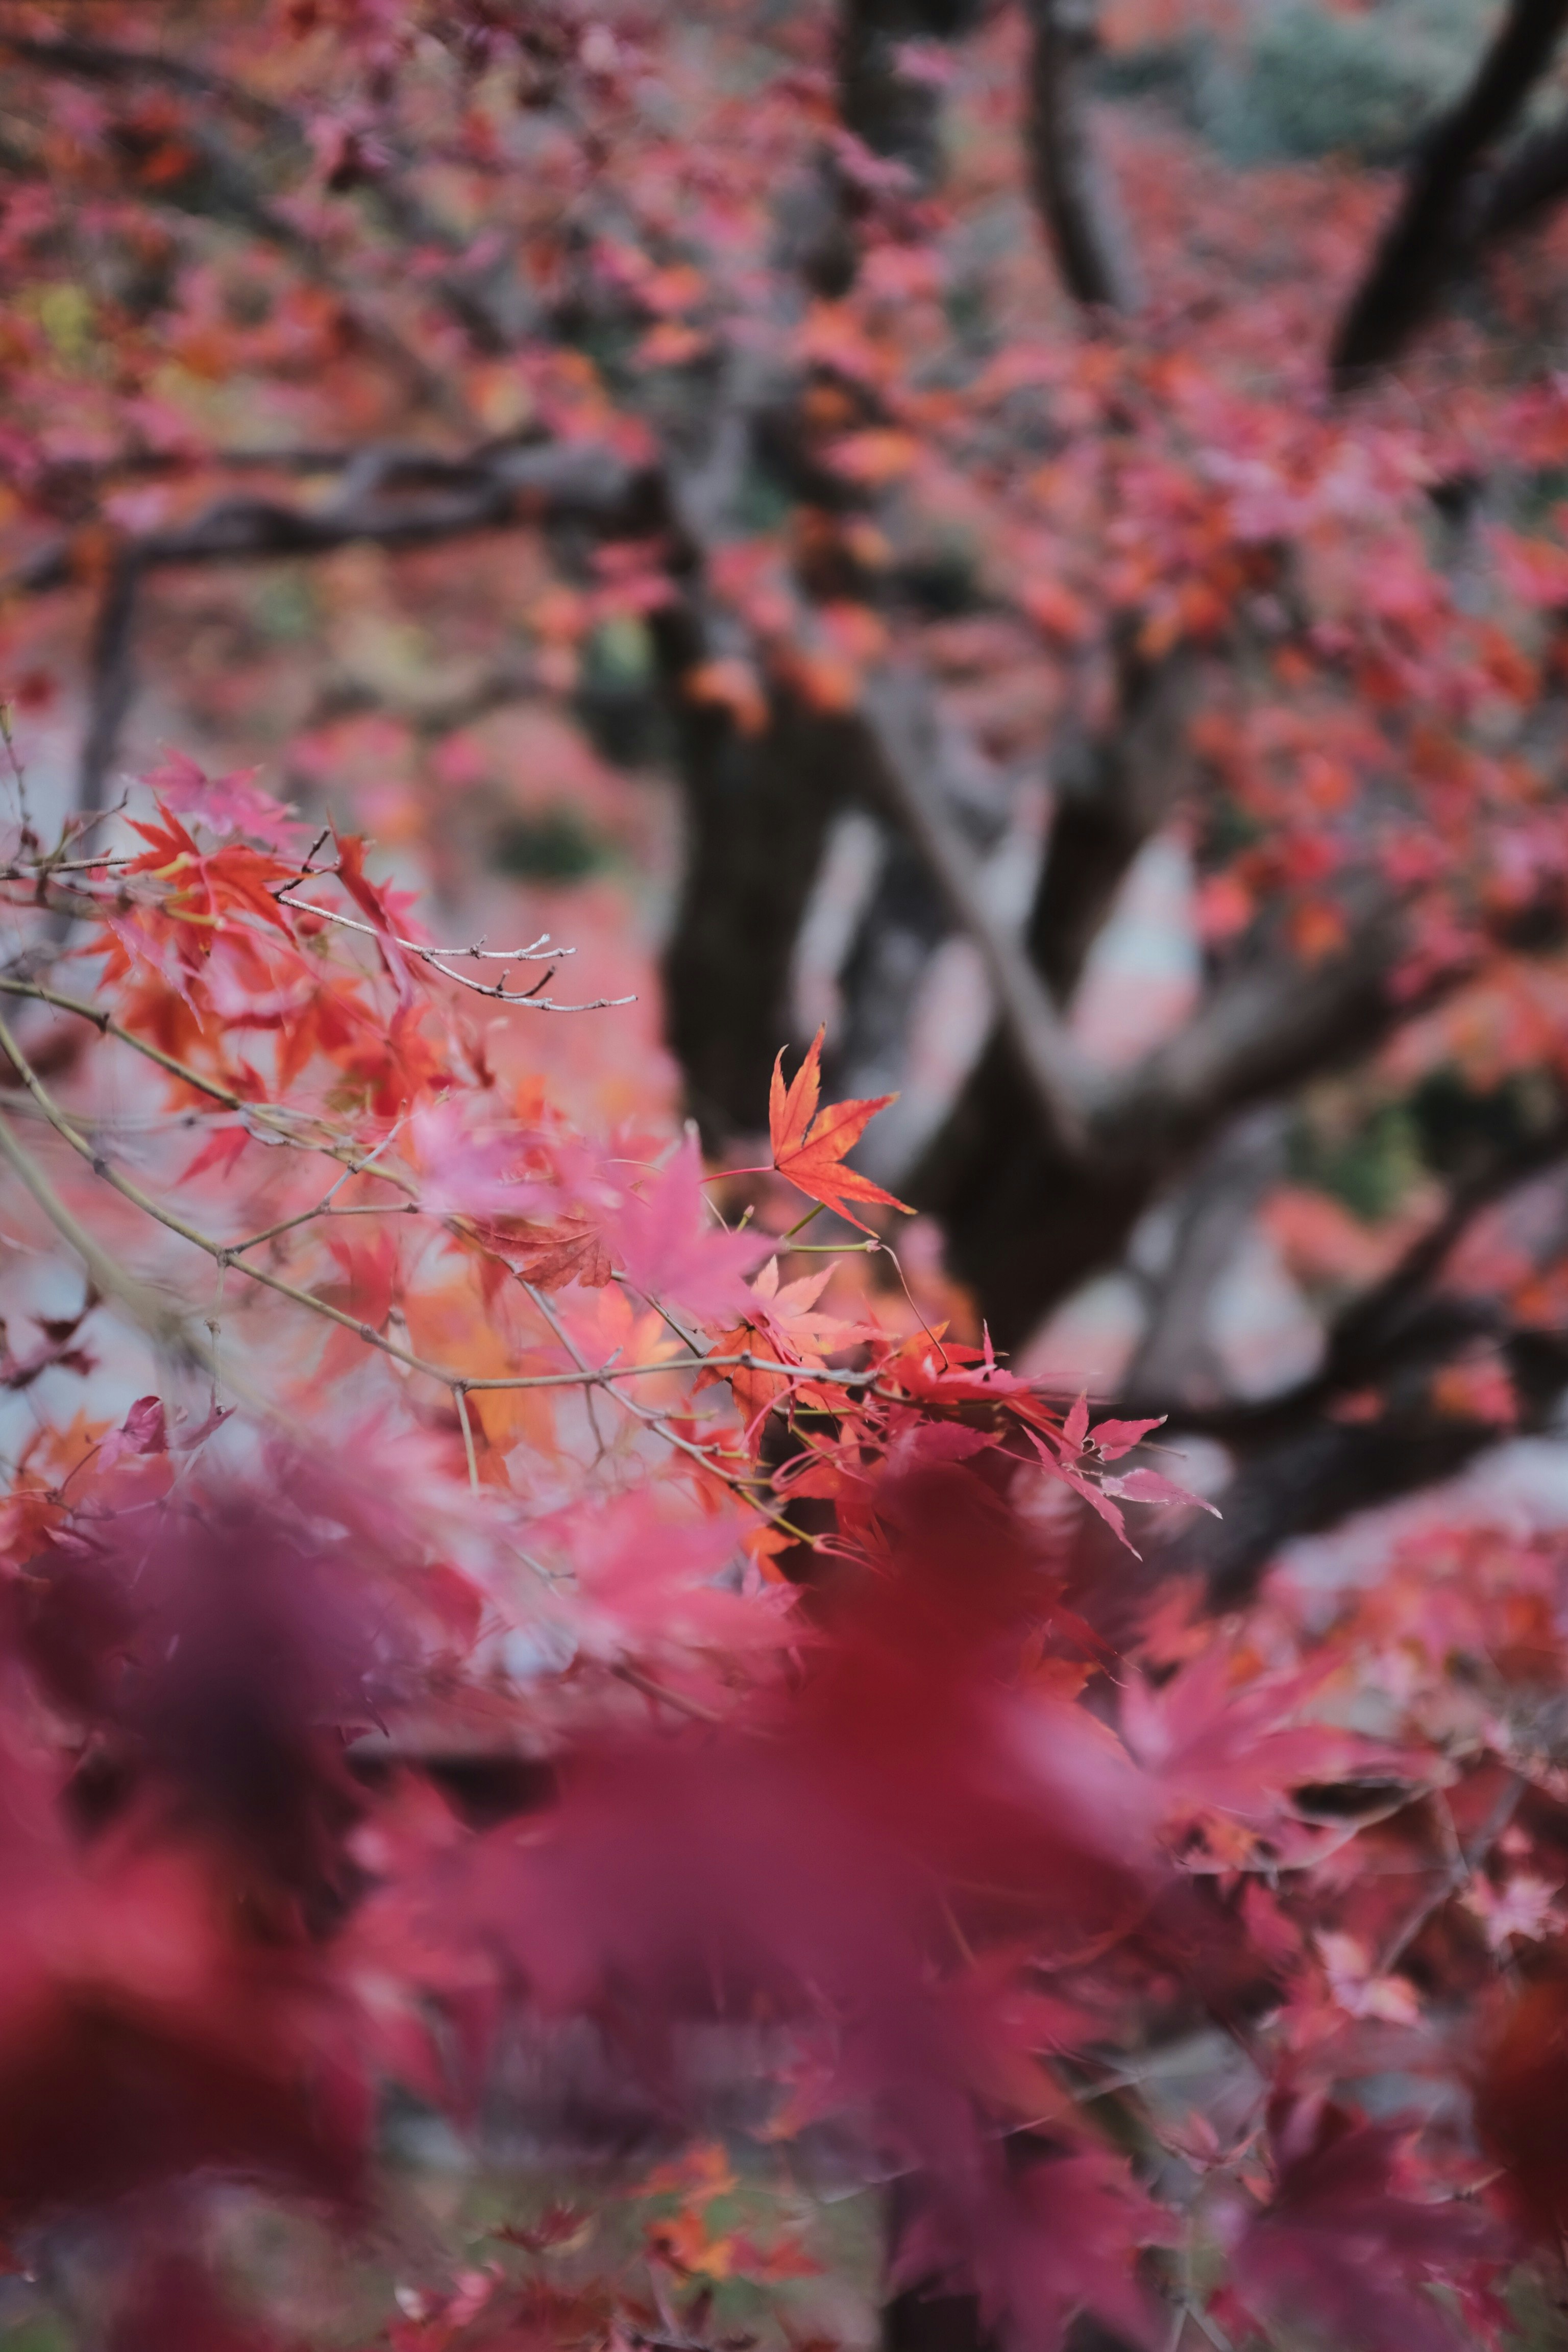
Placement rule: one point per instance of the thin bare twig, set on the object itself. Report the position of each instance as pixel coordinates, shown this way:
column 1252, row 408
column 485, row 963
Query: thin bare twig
column 161, row 1321
column 499, row 994
column 664, row 1694
column 111, row 671
column 460, row 1398
column 538, row 950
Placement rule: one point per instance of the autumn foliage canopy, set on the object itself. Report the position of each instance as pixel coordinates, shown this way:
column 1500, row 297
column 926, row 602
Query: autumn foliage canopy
column 533, row 1613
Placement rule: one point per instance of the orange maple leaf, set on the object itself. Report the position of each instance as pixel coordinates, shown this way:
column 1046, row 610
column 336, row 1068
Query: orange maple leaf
column 809, row 1145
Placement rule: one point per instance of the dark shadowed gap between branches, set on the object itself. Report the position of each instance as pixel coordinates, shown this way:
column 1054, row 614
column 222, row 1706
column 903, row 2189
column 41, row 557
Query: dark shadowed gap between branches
column 883, row 98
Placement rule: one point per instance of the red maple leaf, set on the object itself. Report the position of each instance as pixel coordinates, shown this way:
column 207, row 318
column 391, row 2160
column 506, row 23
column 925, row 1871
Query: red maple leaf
column 782, row 1325
column 1344, row 2241
column 375, row 902
column 232, row 878
column 809, row 1145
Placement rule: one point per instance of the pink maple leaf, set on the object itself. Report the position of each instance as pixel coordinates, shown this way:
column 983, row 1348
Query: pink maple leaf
column 469, row 1166
column 671, row 1249
column 228, row 804
column 1225, row 1746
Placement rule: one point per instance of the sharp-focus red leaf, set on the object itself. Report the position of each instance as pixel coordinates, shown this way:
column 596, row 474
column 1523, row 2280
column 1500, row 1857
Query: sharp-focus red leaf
column 809, row 1144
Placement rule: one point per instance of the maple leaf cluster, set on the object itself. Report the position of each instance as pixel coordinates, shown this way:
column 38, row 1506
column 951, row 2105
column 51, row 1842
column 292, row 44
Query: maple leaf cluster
column 448, row 1651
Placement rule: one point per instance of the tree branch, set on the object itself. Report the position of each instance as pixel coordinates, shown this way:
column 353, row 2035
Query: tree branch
column 105, row 61
column 904, row 746
column 474, row 306
column 1525, row 185
column 1437, row 213
column 497, row 487
column 1365, row 1428
column 1111, row 796
column 1076, row 201
column 1029, row 1217
column 1399, row 1321
column 111, row 672
column 494, row 487
column 1176, row 1358
column 1269, row 1025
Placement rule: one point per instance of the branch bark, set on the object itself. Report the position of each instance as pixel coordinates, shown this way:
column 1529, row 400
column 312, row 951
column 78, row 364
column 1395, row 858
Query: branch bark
column 1264, row 1029
column 902, row 924
column 1112, row 795
column 497, row 488
column 1028, row 1220
column 895, row 112
column 1309, row 1457
column 903, row 750
column 758, row 808
column 1176, row 1357
column 1444, row 200
column 1076, row 201
column 489, row 312
column 1324, row 1470
column 111, row 671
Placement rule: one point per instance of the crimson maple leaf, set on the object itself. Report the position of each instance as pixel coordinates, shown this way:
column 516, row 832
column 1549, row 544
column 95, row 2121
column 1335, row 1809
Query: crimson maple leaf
column 234, row 877
column 1347, row 2239
column 809, row 1145
column 375, row 902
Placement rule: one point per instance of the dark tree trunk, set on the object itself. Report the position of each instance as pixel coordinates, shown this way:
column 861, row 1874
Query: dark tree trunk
column 757, row 811
column 896, row 113
column 1025, row 1222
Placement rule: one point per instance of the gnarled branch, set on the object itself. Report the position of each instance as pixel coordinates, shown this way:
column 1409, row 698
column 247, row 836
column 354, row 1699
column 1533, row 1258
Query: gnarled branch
column 1366, row 1428
column 1444, row 201
column 903, row 745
